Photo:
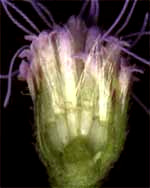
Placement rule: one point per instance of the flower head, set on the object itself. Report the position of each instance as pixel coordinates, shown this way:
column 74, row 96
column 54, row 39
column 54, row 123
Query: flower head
column 79, row 85
column 79, row 81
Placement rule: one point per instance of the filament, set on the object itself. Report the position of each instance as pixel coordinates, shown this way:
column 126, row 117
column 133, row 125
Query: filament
column 135, row 56
column 10, row 74
column 39, row 12
column 2, row 76
column 142, row 30
column 47, row 12
column 141, row 104
column 135, row 34
column 22, row 14
column 83, row 8
column 117, row 20
column 94, row 10
column 128, row 18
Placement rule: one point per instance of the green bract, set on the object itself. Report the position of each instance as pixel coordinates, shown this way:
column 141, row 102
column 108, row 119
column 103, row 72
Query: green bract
column 79, row 86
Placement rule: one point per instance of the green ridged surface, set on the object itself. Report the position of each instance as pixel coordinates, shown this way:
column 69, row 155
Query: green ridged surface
column 76, row 164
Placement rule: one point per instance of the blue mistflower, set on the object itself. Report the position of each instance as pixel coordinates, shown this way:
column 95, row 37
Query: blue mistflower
column 80, row 82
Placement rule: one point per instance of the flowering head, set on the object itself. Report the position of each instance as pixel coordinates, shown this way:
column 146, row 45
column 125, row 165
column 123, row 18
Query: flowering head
column 80, row 83
column 80, row 93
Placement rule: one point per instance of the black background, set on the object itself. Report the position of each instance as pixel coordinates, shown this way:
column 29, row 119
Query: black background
column 20, row 165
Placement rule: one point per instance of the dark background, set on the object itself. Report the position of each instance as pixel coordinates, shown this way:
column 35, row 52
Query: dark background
column 20, row 165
